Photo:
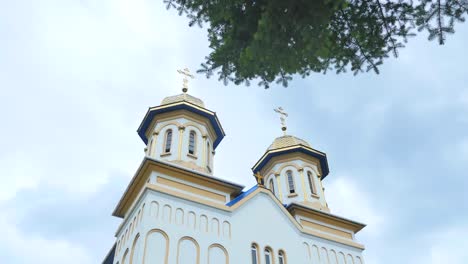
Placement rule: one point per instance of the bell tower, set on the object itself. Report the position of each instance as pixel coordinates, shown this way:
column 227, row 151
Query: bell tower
column 182, row 131
column 293, row 170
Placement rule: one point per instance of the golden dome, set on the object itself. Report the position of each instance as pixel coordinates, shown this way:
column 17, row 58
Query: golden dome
column 287, row 141
column 181, row 98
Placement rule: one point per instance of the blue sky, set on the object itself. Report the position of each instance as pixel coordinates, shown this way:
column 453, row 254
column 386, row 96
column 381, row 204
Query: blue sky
column 76, row 78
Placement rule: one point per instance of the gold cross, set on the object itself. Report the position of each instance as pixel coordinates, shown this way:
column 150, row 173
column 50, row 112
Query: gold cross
column 283, row 116
column 259, row 178
column 186, row 73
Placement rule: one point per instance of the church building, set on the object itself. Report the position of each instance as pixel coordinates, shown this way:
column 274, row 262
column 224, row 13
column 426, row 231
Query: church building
column 176, row 210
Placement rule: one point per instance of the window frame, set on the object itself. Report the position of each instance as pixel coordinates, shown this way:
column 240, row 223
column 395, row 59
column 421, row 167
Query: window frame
column 312, row 186
column 168, row 141
column 269, row 256
column 272, row 185
column 290, row 174
column 256, row 254
column 282, row 257
column 192, row 143
column 208, row 157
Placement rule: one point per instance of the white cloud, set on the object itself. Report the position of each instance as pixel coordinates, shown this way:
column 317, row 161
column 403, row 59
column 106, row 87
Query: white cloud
column 17, row 174
column 442, row 246
column 18, row 247
column 346, row 199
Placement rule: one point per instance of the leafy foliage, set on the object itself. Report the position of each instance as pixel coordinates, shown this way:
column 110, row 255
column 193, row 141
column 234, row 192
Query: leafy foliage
column 274, row 39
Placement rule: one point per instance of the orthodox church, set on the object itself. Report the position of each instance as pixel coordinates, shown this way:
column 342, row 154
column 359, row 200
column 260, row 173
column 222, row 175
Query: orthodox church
column 175, row 210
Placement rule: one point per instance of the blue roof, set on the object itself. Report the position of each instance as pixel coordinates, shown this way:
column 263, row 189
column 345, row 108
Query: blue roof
column 242, row 196
column 322, row 157
column 150, row 115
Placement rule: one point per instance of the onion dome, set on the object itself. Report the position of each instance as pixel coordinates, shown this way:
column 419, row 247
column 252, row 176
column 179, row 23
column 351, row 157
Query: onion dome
column 288, row 144
column 184, row 97
column 287, row 141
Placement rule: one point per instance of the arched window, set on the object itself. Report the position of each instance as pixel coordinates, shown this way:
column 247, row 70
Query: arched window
column 208, row 154
column 290, row 181
column 168, row 141
column 311, row 182
column 254, row 252
column 192, row 141
column 268, row 256
column 272, row 186
column 281, row 257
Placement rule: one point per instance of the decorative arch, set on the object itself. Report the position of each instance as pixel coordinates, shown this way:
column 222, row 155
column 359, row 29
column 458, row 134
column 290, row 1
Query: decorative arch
column 167, row 213
column 215, row 259
column 215, row 225
column 349, row 259
column 313, row 169
column 203, row 223
column 138, row 217
column 333, row 257
column 187, row 256
column 227, row 229
column 315, row 254
column 142, row 212
column 135, row 255
column 358, row 260
column 341, row 258
column 173, row 123
column 152, row 241
column 324, row 256
column 192, row 220
column 154, row 209
column 202, row 128
column 124, row 258
column 307, row 250
column 288, row 164
column 179, row 216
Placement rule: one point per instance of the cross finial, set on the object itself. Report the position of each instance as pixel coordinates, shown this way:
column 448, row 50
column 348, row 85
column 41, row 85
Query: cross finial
column 259, row 178
column 283, row 116
column 186, row 73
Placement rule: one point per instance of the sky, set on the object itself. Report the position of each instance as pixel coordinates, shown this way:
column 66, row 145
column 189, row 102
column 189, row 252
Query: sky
column 77, row 77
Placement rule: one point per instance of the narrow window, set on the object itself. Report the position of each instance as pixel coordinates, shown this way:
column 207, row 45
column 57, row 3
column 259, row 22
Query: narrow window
column 290, row 181
column 208, row 154
column 267, row 256
column 272, row 186
column 311, row 182
column 192, row 142
column 167, row 146
column 254, row 252
column 281, row 257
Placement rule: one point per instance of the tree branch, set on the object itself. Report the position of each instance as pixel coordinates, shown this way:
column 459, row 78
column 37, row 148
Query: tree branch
column 389, row 36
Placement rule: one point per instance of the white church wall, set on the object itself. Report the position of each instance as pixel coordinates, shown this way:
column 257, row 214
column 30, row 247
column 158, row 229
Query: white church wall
column 278, row 234
column 128, row 233
column 174, row 230
column 185, row 224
